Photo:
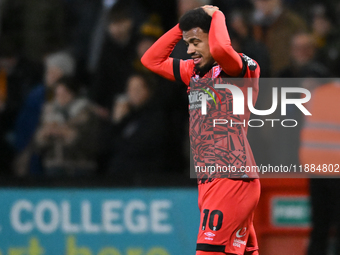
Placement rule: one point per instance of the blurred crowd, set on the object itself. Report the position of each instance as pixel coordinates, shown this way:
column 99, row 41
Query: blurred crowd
column 75, row 99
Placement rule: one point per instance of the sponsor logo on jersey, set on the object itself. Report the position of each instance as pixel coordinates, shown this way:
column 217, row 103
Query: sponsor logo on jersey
column 241, row 232
column 238, row 243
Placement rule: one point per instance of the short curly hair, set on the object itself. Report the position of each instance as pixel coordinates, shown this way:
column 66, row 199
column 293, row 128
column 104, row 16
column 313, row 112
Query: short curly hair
column 195, row 18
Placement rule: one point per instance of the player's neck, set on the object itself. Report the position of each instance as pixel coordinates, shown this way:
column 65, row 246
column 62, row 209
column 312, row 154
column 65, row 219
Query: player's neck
column 204, row 70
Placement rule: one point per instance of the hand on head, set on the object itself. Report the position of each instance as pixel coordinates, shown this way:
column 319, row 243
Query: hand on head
column 210, row 9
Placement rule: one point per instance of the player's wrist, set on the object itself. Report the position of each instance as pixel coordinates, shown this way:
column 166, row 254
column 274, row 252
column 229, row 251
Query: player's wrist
column 210, row 9
column 218, row 13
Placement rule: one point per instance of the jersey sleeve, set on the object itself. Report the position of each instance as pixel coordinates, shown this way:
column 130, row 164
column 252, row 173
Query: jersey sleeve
column 220, row 46
column 157, row 59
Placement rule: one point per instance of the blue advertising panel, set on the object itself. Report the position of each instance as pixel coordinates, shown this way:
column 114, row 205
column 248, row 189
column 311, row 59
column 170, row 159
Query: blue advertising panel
column 98, row 221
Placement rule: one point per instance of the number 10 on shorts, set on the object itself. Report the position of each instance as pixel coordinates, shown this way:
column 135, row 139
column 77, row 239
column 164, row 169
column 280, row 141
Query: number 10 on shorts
column 215, row 219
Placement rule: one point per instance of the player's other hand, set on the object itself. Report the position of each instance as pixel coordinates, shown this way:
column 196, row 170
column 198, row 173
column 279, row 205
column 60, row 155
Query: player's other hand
column 210, row 9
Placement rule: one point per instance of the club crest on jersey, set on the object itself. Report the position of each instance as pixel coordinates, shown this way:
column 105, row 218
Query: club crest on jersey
column 216, row 71
column 196, row 78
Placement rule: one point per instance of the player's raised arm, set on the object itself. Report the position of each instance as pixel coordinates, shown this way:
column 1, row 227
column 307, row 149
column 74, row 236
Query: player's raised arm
column 157, row 59
column 220, row 44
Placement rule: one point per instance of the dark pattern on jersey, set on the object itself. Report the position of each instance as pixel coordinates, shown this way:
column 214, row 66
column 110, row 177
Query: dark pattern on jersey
column 211, row 146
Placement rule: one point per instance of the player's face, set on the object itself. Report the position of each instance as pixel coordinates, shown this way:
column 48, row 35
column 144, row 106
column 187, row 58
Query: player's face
column 197, row 42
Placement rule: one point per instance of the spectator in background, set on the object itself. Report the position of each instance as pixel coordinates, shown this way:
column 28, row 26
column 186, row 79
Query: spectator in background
column 303, row 65
column 66, row 137
column 116, row 58
column 17, row 77
column 166, row 10
column 166, row 94
column 320, row 145
column 327, row 38
column 302, row 59
column 136, row 12
column 140, row 128
column 242, row 41
column 82, row 22
column 98, row 34
column 57, row 65
column 274, row 25
column 149, row 32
